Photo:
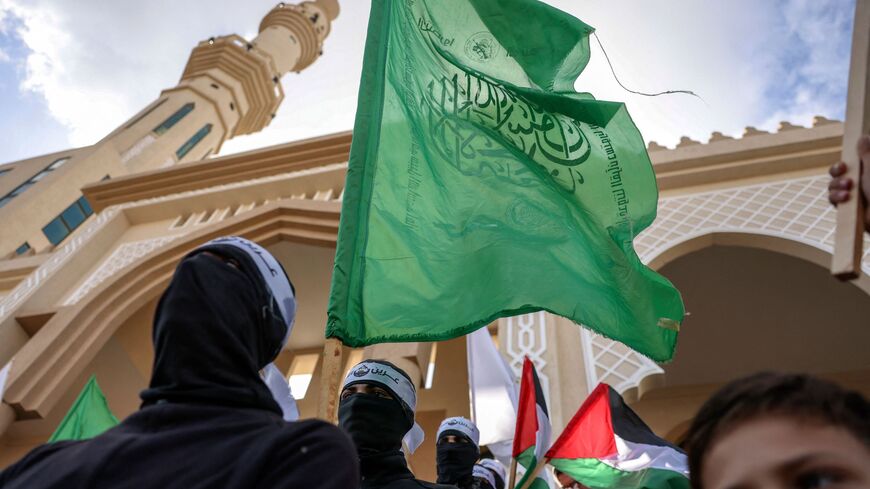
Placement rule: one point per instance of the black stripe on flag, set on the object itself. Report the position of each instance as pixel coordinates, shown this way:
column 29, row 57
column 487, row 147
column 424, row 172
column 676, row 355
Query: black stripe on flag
column 628, row 425
column 539, row 393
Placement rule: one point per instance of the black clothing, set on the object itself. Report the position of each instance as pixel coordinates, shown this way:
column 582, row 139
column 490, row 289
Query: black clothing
column 480, row 484
column 389, row 470
column 207, row 419
column 213, row 332
column 194, row 446
column 374, row 424
column 455, row 461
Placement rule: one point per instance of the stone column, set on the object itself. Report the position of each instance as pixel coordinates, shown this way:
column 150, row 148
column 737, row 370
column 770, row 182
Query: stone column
column 553, row 345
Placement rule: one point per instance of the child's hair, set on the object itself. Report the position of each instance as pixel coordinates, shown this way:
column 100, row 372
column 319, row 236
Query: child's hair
column 774, row 394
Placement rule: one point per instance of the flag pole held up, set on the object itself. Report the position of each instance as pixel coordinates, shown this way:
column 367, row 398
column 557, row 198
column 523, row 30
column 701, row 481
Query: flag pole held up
column 513, row 473
column 330, row 380
column 849, row 235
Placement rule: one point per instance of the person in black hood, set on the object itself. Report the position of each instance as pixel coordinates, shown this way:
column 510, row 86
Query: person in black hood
column 377, row 410
column 457, row 451
column 207, row 419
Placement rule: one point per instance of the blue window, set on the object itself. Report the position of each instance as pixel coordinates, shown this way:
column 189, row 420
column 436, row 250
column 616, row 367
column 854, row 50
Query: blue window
column 71, row 218
column 24, row 248
column 144, row 114
column 58, row 163
column 83, row 203
column 186, row 147
column 21, row 188
column 35, row 178
column 174, row 118
column 56, row 231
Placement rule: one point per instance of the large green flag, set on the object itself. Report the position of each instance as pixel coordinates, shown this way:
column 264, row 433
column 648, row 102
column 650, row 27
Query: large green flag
column 88, row 417
column 481, row 185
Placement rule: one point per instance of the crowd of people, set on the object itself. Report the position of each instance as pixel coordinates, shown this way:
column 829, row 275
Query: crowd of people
column 208, row 418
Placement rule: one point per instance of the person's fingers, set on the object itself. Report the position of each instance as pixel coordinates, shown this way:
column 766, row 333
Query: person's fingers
column 840, row 184
column 864, row 147
column 837, row 169
column 838, row 196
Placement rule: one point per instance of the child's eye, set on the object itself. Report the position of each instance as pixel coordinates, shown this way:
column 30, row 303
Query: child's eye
column 817, row 479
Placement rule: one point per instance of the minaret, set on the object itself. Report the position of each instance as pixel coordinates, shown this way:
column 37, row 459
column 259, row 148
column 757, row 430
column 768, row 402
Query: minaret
column 230, row 86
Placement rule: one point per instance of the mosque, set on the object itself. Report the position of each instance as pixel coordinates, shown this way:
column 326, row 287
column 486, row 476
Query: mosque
column 91, row 236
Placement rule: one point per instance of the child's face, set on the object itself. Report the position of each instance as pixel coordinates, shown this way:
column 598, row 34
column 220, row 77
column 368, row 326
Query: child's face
column 786, row 453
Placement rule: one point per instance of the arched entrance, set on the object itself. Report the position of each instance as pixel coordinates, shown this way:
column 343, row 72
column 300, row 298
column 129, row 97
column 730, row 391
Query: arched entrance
column 756, row 302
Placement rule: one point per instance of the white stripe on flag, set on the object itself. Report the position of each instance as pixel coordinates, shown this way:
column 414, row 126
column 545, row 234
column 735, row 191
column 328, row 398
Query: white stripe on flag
column 633, row 457
column 542, row 437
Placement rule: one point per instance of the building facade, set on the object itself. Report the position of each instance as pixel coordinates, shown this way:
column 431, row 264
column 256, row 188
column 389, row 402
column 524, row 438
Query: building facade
column 744, row 230
column 230, row 86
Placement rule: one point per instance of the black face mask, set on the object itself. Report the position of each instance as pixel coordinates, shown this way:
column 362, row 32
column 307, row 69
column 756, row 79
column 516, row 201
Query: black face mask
column 374, row 424
column 455, row 461
column 212, row 334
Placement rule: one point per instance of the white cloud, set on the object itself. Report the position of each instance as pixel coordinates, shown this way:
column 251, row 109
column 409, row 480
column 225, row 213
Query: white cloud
column 4, row 57
column 96, row 62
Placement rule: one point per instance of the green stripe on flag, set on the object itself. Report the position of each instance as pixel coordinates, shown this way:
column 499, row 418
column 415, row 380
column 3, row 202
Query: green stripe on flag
column 596, row 474
column 528, row 460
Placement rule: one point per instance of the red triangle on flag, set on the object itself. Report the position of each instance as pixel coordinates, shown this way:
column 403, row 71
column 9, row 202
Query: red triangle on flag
column 589, row 434
column 527, row 416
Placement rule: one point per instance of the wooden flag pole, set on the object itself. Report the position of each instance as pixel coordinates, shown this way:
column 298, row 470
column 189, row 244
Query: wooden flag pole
column 330, row 380
column 535, row 473
column 513, row 473
column 849, row 235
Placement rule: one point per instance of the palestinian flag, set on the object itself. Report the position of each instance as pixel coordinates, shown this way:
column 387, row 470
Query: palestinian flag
column 532, row 436
column 606, row 445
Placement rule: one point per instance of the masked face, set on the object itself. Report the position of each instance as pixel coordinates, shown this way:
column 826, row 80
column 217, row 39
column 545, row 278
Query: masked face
column 211, row 336
column 375, row 424
column 455, row 460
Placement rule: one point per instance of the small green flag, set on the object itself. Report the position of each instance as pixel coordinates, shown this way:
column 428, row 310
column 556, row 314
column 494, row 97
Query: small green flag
column 88, row 417
column 481, row 185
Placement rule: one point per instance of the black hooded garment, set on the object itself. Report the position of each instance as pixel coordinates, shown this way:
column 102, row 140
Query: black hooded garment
column 377, row 425
column 389, row 471
column 207, row 419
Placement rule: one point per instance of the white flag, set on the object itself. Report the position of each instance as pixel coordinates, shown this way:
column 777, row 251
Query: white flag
column 4, row 373
column 277, row 384
column 494, row 395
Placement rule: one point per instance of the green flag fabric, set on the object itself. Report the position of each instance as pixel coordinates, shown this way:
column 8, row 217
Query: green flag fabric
column 88, row 417
column 481, row 185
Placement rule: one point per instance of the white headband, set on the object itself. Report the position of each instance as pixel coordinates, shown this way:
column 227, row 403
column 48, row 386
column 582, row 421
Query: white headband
column 281, row 290
column 462, row 425
column 392, row 379
column 495, row 466
column 483, row 473
column 395, row 381
column 273, row 274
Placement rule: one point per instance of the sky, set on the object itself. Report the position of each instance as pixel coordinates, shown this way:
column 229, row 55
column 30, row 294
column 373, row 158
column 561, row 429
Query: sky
column 71, row 71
